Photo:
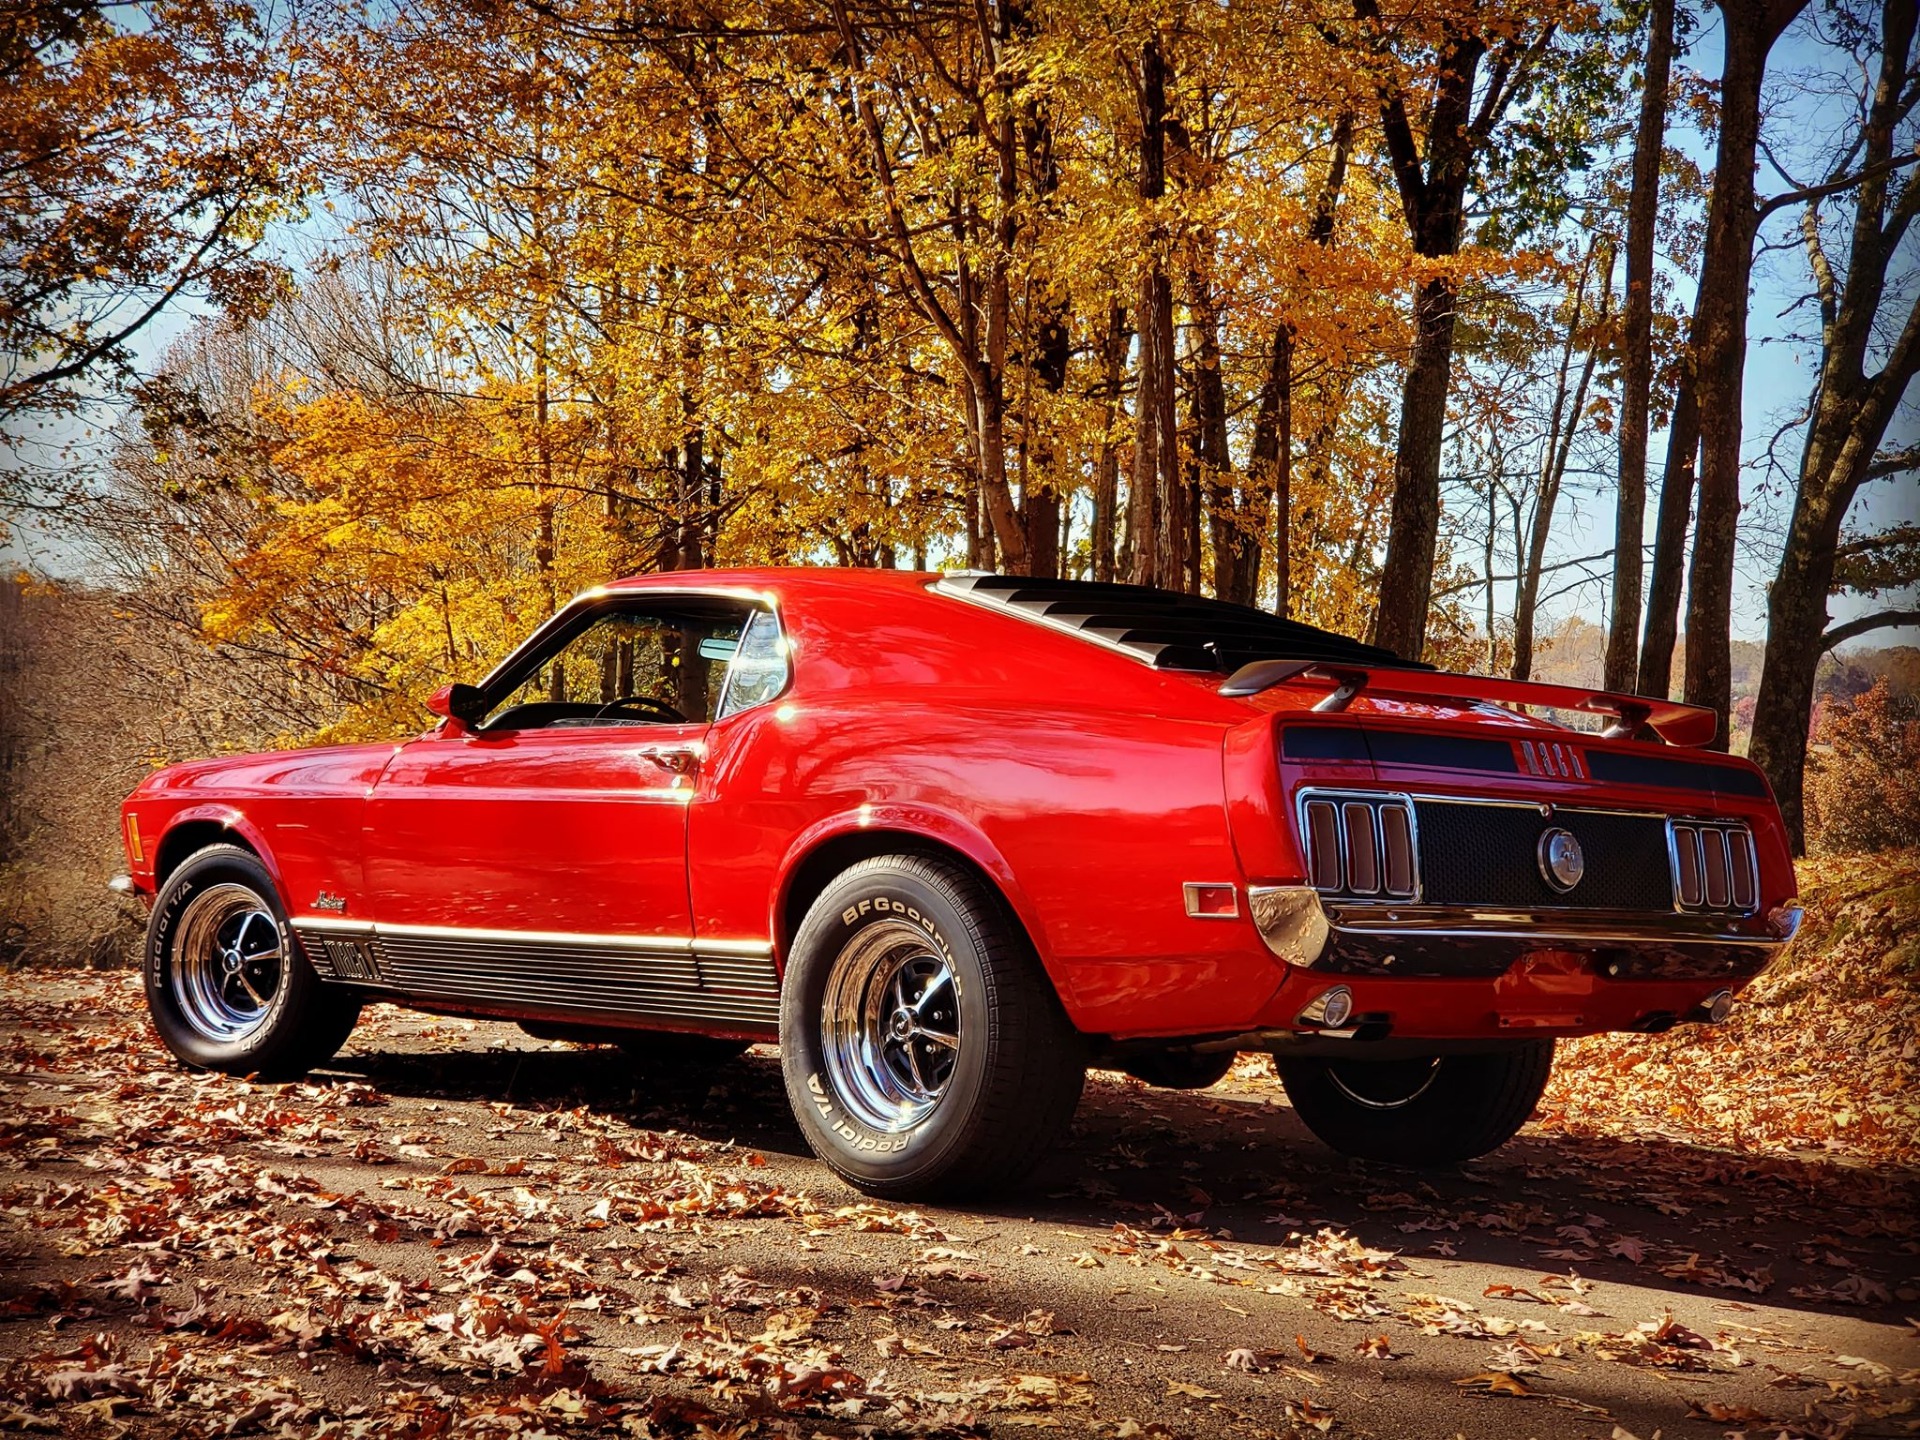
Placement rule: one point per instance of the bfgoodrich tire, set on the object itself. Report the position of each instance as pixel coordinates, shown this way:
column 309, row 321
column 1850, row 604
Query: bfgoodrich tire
column 1435, row 1110
column 226, row 986
column 925, row 1052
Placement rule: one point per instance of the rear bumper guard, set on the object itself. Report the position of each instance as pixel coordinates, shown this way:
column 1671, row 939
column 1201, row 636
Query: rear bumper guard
column 1428, row 941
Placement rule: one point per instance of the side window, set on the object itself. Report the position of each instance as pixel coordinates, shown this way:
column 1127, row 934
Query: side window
column 759, row 669
column 631, row 668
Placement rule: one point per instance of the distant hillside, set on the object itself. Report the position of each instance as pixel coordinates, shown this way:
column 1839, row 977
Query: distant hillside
column 1572, row 654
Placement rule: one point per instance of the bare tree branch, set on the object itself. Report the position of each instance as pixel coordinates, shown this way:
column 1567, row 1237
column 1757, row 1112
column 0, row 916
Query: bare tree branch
column 1852, row 629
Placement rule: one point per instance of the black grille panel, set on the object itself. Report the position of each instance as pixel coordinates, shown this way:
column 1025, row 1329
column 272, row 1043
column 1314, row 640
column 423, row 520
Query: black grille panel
column 1489, row 855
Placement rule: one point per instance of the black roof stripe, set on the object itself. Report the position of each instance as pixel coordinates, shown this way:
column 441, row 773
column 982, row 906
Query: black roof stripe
column 1169, row 630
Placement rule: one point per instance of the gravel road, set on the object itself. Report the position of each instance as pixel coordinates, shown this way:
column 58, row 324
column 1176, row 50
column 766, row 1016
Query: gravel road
column 458, row 1229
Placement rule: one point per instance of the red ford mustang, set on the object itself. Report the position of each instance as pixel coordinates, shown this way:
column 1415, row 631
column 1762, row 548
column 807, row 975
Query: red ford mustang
column 951, row 839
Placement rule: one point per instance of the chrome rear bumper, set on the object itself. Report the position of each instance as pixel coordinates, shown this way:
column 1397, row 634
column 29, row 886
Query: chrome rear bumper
column 1337, row 937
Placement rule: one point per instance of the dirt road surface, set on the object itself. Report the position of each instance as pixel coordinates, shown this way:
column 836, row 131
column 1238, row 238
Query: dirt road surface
column 457, row 1229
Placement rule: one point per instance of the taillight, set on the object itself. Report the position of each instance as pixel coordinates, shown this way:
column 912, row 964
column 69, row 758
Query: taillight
column 1359, row 844
column 1713, row 865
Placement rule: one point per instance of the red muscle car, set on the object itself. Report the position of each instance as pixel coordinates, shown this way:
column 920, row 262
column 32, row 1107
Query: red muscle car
column 951, row 839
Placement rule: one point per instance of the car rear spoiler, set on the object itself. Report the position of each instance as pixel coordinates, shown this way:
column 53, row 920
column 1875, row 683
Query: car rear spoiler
column 1633, row 715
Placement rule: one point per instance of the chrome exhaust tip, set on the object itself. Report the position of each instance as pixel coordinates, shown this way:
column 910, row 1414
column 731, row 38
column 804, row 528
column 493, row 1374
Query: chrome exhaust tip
column 1715, row 1009
column 1329, row 1010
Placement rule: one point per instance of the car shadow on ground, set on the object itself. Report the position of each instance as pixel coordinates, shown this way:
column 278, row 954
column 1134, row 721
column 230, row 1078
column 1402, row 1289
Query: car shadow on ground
column 1236, row 1163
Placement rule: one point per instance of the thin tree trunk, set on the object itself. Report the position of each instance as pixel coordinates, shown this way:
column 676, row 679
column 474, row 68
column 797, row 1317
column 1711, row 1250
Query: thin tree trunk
column 1668, row 574
column 1236, row 546
column 1560, row 433
column 1040, row 501
column 1153, row 514
column 1283, row 486
column 1636, row 363
column 1106, row 461
column 1749, row 30
column 1143, row 492
column 1039, row 493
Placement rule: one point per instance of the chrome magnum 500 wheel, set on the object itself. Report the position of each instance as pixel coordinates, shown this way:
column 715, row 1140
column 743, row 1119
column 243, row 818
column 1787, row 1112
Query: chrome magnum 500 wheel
column 225, row 986
column 924, row 1050
column 1425, row 1110
column 892, row 1025
column 228, row 963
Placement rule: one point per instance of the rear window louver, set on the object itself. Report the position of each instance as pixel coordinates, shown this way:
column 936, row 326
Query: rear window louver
column 1169, row 631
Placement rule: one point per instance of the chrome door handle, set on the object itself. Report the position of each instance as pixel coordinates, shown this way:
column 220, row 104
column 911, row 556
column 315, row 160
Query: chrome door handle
column 680, row 759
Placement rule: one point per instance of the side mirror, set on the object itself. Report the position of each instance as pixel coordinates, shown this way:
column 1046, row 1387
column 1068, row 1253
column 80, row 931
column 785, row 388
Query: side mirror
column 457, row 702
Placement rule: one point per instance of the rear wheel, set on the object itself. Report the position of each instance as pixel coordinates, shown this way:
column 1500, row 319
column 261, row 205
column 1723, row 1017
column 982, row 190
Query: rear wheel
column 227, row 988
column 1426, row 1110
column 924, row 1049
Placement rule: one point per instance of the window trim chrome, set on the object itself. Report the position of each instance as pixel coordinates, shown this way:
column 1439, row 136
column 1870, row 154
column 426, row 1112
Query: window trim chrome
column 720, row 710
column 617, row 598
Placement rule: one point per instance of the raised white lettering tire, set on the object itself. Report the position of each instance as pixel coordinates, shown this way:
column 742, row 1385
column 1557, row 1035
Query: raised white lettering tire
column 227, row 987
column 924, row 1049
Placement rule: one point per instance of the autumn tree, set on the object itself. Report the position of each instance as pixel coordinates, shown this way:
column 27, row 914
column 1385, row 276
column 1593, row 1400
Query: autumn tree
column 1855, row 228
column 144, row 152
column 1441, row 123
column 1749, row 29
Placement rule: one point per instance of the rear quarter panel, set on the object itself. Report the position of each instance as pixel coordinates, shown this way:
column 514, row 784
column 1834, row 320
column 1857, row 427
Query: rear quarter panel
column 1086, row 785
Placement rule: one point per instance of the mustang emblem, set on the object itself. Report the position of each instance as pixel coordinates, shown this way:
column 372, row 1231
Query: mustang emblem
column 326, row 900
column 1562, row 862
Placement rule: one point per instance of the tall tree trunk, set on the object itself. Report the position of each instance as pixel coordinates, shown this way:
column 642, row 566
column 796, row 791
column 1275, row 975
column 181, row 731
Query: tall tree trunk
column 1748, row 29
column 1852, row 411
column 1566, row 423
column 1636, row 362
column 1270, row 461
column 1283, row 482
column 1144, row 518
column 976, row 341
column 1052, row 346
column 1106, row 455
column 1040, row 495
column 1668, row 574
column 1413, row 529
column 1432, row 198
column 1236, row 545
column 1154, row 516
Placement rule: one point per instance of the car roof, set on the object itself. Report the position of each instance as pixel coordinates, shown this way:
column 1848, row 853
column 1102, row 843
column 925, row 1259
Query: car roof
column 1166, row 629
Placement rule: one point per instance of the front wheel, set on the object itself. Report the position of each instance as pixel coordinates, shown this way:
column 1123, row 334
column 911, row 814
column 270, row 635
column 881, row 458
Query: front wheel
column 227, row 988
column 924, row 1049
column 1428, row 1110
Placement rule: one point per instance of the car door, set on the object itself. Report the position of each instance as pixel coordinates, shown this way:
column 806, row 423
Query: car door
column 536, row 861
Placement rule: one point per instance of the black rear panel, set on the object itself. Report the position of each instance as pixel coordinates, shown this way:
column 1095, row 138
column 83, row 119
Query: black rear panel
column 1623, row 768
column 1473, row 854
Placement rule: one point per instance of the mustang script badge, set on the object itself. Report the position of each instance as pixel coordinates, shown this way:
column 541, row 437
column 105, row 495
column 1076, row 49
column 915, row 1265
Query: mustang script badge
column 1561, row 861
